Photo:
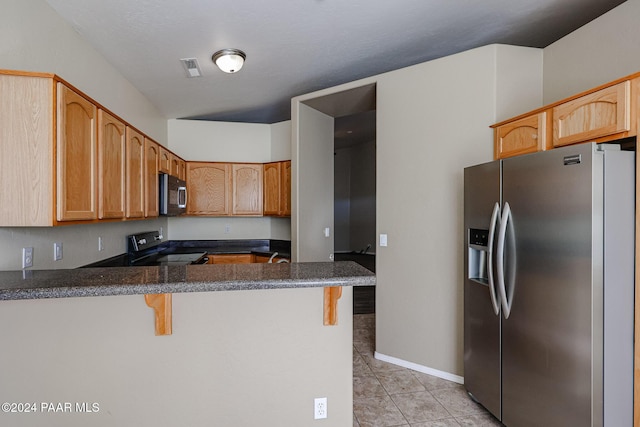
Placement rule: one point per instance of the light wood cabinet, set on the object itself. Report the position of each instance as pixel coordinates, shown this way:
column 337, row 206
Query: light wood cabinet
column 598, row 114
column 285, row 189
column 277, row 188
column 182, row 168
column 272, row 182
column 27, row 169
column 526, row 135
column 151, row 162
column 135, row 174
column 208, row 188
column 231, row 259
column 175, row 165
column 76, row 156
column 246, row 189
column 111, row 166
column 164, row 164
column 265, row 259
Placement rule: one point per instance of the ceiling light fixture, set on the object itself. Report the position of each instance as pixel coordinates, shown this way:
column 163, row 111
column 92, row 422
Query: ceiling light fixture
column 229, row 60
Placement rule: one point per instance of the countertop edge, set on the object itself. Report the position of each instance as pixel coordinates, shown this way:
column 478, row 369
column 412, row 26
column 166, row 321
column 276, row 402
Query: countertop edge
column 305, row 275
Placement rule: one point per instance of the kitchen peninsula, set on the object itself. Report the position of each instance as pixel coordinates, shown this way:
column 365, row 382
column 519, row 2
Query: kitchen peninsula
column 266, row 342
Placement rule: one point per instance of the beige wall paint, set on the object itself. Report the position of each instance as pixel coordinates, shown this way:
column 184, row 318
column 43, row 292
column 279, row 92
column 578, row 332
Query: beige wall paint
column 241, row 359
column 603, row 50
column 432, row 121
column 35, row 38
column 198, row 140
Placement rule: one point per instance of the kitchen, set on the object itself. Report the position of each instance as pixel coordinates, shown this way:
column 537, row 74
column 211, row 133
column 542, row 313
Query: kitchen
column 431, row 310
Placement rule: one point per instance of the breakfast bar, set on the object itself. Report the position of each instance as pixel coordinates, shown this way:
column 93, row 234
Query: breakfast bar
column 80, row 347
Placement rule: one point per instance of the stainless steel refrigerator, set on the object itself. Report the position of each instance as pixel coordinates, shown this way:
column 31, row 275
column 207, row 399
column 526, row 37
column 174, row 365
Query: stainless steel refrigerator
column 549, row 289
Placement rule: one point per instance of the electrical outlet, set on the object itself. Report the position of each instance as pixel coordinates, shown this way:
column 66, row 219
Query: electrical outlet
column 100, row 244
column 320, row 408
column 227, row 228
column 57, row 251
column 27, row 257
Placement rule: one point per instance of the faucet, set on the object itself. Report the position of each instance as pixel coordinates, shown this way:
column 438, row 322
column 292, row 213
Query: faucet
column 272, row 257
column 364, row 251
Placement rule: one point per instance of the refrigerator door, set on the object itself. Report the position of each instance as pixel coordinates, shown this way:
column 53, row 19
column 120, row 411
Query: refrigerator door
column 549, row 343
column 481, row 324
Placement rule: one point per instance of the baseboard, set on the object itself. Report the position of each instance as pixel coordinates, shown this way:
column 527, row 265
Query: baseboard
column 424, row 369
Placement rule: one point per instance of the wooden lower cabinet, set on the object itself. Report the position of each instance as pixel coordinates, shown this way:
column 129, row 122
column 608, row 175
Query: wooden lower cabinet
column 265, row 259
column 231, row 258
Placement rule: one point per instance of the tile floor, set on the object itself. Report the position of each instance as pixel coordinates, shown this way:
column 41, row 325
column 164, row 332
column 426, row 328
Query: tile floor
column 386, row 395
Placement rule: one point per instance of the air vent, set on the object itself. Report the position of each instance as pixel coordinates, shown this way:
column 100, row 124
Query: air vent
column 191, row 67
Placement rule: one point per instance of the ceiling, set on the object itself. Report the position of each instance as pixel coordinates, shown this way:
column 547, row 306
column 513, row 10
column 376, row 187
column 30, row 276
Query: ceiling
column 296, row 47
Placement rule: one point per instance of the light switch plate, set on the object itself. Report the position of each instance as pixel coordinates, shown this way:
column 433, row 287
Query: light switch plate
column 383, row 240
column 57, row 251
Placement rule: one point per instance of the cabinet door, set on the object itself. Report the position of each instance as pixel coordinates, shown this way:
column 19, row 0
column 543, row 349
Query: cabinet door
column 135, row 174
column 182, row 166
column 247, row 189
column 151, row 161
column 111, row 166
column 272, row 182
column 26, row 151
column 175, row 166
column 526, row 135
column 231, row 259
column 285, row 189
column 164, row 164
column 76, row 157
column 208, row 188
column 598, row 114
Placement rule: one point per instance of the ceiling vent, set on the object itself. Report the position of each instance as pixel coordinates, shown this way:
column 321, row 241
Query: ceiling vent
column 191, row 66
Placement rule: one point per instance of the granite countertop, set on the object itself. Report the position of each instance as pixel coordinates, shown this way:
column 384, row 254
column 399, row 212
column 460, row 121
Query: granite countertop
column 85, row 282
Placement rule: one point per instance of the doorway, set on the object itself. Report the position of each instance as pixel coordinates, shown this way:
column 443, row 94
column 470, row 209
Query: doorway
column 355, row 198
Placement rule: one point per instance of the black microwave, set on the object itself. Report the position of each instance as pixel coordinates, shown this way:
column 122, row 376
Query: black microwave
column 173, row 195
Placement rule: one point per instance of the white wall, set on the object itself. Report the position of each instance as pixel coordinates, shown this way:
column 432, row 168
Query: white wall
column 241, row 359
column 198, row 140
column 34, row 38
column 603, row 50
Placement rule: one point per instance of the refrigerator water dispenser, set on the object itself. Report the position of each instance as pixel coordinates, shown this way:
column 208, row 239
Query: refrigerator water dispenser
column 478, row 248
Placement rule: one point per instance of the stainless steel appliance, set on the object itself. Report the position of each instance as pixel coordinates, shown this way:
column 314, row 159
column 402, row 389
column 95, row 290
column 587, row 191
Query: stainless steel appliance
column 549, row 290
column 173, row 195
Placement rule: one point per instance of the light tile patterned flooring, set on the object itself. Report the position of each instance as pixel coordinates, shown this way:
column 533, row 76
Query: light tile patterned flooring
column 386, row 395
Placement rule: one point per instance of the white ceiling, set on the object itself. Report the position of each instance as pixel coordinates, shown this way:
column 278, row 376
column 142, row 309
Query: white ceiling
column 296, row 47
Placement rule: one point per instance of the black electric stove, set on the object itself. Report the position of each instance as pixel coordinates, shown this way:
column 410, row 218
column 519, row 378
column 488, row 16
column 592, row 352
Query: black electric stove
column 146, row 249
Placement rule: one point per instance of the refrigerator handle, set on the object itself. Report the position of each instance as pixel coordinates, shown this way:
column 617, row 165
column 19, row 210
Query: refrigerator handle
column 506, row 217
column 495, row 216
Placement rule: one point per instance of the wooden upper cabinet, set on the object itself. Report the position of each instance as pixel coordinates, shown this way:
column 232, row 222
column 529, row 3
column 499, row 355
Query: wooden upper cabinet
column 285, row 189
column 246, row 182
column 164, row 164
column 111, row 166
column 272, row 182
column 135, row 174
column 208, row 188
column 595, row 115
column 182, row 169
column 76, row 157
column 26, row 151
column 526, row 135
column 151, row 184
column 175, row 166
column 277, row 188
